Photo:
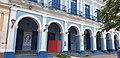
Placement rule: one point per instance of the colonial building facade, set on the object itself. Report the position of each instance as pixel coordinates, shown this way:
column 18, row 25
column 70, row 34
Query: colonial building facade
column 69, row 25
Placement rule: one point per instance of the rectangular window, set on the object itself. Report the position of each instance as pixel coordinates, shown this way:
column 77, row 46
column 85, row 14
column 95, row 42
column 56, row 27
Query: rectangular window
column 56, row 4
column 87, row 11
column 74, row 8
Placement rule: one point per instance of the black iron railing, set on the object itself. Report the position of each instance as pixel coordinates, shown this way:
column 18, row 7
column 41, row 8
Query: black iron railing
column 75, row 12
column 57, row 6
column 72, row 11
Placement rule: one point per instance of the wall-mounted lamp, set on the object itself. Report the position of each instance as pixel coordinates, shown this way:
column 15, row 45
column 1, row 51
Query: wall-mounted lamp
column 82, row 34
column 46, row 27
column 66, row 32
column 13, row 22
column 30, row 7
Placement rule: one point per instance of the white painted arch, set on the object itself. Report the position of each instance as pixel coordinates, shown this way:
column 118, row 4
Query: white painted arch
column 90, row 30
column 58, row 23
column 32, row 17
column 109, row 33
column 18, row 20
column 76, row 27
column 100, row 33
column 115, row 34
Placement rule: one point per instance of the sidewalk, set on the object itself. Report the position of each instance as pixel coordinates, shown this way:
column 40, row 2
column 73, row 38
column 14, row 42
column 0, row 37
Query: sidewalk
column 101, row 56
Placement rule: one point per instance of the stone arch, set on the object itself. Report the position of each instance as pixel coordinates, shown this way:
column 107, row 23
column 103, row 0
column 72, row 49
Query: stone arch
column 108, row 41
column 30, row 16
column 116, row 41
column 88, row 39
column 98, row 40
column 76, row 27
column 90, row 30
column 58, row 23
column 57, row 35
column 73, row 38
column 29, row 26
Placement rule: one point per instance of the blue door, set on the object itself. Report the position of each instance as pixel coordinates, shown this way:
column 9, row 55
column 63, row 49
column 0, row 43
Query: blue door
column 19, row 40
column 69, row 41
column 56, row 4
column 34, row 40
column 88, row 42
column 74, row 8
column 87, row 11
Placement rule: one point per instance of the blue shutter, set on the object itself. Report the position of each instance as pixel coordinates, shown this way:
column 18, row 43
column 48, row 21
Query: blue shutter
column 34, row 40
column 87, row 11
column 33, row 0
column 19, row 41
column 56, row 4
column 74, row 8
column 98, row 12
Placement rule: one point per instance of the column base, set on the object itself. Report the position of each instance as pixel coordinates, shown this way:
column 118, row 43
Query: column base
column 42, row 54
column 9, row 55
column 113, row 51
column 81, row 52
column 105, row 51
column 1, row 55
column 94, row 51
column 64, row 51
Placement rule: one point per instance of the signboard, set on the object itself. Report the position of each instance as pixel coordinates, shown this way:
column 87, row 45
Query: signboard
column 27, row 41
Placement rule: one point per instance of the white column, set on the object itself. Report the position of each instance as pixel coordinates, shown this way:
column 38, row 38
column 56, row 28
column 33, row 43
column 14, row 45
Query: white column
column 46, row 1
column 93, row 9
column 62, row 2
column 112, row 42
column 94, row 43
column 119, row 39
column 66, row 38
column 82, row 39
column 81, row 5
column 78, row 6
column 103, row 41
column 78, row 42
column 11, row 34
column 82, row 49
column 119, row 43
column 44, row 36
column 63, row 42
column 39, row 40
column 94, row 40
column 67, row 5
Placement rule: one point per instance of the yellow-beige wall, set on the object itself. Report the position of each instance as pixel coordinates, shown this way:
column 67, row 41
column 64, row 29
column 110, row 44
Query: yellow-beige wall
column 1, row 21
column 4, row 15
